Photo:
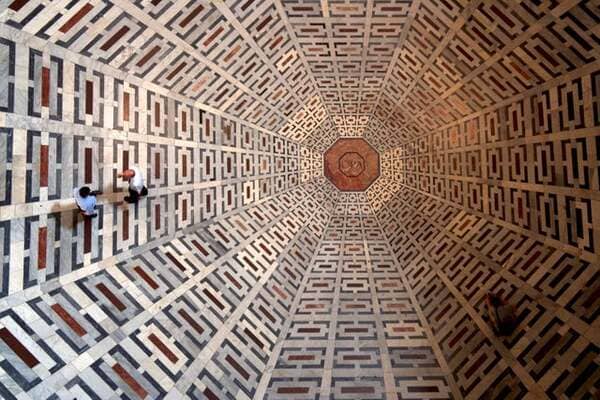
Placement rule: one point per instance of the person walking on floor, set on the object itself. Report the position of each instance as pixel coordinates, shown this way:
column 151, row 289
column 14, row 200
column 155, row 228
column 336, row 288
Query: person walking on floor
column 86, row 200
column 136, row 184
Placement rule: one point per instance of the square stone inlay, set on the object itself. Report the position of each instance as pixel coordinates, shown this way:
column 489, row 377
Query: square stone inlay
column 351, row 164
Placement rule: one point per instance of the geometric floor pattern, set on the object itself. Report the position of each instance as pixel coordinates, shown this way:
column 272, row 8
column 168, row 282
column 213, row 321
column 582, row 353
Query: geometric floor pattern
column 245, row 274
column 453, row 259
column 355, row 331
column 351, row 164
column 197, row 316
column 298, row 296
column 302, row 296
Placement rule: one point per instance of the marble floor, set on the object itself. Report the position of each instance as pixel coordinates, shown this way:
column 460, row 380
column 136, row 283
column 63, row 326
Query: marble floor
column 334, row 187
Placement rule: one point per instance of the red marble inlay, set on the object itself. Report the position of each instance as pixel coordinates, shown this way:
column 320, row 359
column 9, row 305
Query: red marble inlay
column 457, row 337
column 184, row 210
column 125, row 106
column 125, row 162
column 175, row 261
column 115, row 38
column 126, row 224
column 301, row 357
column 44, row 165
column 148, row 56
column 45, row 86
column 403, row 329
column 358, row 389
column 292, row 390
column 163, row 348
column 157, row 165
column 130, row 380
column 156, row 114
column 213, row 299
column 475, row 365
column 87, row 161
column 89, row 97
column 87, row 235
column 176, row 71
column 76, row 18
column 237, row 367
column 213, row 36
column 191, row 16
column 233, row 280
column 42, row 243
column 309, row 330
column 210, row 395
column 111, row 296
column 17, row 4
column 267, row 314
column 247, row 4
column 423, row 389
column 191, row 321
column 279, row 292
column 252, row 336
column 264, row 23
column 199, row 247
column 207, row 128
column 351, row 164
column 146, row 277
column 520, row 207
column 357, row 357
column 15, row 345
column 68, row 319
column 157, row 216
column 184, row 165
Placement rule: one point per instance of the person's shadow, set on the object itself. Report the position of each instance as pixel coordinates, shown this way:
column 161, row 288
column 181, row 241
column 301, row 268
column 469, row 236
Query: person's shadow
column 68, row 218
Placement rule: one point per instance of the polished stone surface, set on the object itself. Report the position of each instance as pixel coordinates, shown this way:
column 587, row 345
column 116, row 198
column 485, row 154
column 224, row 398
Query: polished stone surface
column 245, row 274
column 351, row 164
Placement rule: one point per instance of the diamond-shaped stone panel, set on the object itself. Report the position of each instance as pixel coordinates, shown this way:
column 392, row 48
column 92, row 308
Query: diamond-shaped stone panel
column 351, row 164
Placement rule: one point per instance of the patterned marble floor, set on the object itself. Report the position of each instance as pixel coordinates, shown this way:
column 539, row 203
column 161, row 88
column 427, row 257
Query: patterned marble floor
column 197, row 316
column 355, row 330
column 298, row 296
column 245, row 274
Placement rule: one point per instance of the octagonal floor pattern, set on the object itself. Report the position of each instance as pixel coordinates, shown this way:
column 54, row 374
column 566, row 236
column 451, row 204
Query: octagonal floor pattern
column 351, row 164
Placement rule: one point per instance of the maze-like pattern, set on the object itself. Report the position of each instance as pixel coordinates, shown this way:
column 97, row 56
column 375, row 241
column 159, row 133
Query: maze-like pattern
column 532, row 163
column 355, row 332
column 492, row 186
column 238, row 58
column 453, row 259
column 462, row 57
column 244, row 274
column 73, row 122
column 348, row 47
column 392, row 69
column 197, row 316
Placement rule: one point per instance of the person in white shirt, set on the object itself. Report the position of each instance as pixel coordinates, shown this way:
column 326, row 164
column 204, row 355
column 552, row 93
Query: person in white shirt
column 136, row 184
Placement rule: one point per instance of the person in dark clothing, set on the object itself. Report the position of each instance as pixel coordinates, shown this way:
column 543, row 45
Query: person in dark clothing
column 134, row 195
column 136, row 184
